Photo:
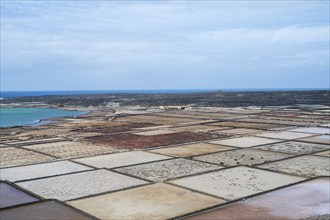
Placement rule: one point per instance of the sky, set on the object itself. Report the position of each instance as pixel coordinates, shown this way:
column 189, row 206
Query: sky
column 111, row 45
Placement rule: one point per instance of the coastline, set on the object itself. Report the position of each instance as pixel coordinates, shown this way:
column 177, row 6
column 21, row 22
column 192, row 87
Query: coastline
column 93, row 105
column 48, row 120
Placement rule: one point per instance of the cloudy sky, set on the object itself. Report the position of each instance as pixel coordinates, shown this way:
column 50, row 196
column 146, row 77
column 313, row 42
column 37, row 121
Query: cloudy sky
column 104, row 45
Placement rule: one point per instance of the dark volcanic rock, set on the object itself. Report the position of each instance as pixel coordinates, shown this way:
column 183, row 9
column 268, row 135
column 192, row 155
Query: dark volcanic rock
column 224, row 99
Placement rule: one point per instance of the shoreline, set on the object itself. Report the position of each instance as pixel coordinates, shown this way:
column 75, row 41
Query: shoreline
column 47, row 121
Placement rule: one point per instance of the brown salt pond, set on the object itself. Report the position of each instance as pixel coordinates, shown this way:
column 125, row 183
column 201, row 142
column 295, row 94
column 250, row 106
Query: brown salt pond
column 304, row 200
column 132, row 141
column 322, row 139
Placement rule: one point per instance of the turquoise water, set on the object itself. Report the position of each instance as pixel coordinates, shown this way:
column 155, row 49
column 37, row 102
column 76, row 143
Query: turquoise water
column 26, row 116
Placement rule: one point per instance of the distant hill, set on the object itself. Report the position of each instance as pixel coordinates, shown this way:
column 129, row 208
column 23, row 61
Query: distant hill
column 219, row 98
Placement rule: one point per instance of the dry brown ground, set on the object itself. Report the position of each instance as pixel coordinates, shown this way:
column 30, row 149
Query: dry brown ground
column 116, row 127
column 246, row 125
column 132, row 141
column 154, row 119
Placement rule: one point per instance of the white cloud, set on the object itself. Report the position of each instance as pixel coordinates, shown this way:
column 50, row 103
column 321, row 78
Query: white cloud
column 313, row 58
column 285, row 35
column 188, row 38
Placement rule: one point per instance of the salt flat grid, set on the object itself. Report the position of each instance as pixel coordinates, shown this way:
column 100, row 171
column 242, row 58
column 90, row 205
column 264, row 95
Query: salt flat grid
column 294, row 147
column 299, row 201
column 191, row 149
column 57, row 176
column 156, row 201
column 246, row 156
column 11, row 196
column 323, row 153
column 20, row 173
column 76, row 185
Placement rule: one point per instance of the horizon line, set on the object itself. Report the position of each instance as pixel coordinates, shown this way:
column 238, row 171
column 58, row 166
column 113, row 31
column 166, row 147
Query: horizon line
column 211, row 89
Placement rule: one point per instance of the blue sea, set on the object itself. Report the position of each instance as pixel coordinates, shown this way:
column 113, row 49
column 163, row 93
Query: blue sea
column 29, row 116
column 10, row 94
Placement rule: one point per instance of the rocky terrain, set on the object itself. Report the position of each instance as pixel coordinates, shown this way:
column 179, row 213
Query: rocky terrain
column 219, row 98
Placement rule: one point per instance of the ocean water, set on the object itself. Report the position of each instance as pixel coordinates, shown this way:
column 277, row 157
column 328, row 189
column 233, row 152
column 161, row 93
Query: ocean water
column 8, row 94
column 29, row 116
